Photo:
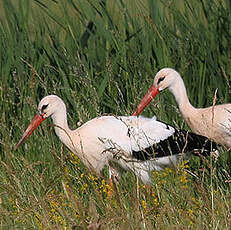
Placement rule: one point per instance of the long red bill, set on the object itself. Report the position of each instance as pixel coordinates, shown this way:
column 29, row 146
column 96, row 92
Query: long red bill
column 152, row 92
column 36, row 121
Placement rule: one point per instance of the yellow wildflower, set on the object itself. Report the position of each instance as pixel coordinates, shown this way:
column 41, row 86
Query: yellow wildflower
column 168, row 170
column 190, row 212
column 144, row 205
column 156, row 202
column 84, row 187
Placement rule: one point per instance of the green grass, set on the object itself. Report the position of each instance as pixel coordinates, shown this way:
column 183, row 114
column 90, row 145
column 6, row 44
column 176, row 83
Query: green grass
column 46, row 48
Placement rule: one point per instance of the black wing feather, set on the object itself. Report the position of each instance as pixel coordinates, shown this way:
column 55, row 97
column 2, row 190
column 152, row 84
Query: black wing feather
column 181, row 141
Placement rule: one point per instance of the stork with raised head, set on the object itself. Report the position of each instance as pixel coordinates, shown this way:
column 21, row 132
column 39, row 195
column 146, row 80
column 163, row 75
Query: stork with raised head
column 135, row 143
column 213, row 122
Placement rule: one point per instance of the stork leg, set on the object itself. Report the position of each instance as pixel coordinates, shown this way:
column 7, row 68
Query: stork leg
column 113, row 178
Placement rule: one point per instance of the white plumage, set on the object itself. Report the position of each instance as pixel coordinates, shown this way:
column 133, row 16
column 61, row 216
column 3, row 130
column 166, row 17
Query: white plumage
column 213, row 122
column 135, row 143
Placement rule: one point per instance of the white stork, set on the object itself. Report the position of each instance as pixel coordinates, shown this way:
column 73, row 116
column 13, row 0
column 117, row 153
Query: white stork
column 134, row 143
column 213, row 122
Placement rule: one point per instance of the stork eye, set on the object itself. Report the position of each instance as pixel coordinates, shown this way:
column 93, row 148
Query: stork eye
column 160, row 79
column 44, row 107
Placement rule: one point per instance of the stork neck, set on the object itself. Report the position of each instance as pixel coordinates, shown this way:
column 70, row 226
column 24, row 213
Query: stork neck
column 62, row 129
column 181, row 97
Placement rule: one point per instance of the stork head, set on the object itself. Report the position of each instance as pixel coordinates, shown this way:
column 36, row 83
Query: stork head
column 47, row 107
column 165, row 78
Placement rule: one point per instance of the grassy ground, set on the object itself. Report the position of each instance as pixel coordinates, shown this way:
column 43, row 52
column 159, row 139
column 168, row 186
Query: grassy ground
column 101, row 57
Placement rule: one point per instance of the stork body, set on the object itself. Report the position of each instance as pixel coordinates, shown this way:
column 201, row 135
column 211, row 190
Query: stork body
column 135, row 143
column 213, row 122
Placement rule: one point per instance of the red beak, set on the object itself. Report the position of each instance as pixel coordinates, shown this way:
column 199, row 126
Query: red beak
column 152, row 92
column 36, row 121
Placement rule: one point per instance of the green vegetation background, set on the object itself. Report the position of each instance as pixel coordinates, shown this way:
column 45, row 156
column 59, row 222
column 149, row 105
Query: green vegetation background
column 100, row 57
